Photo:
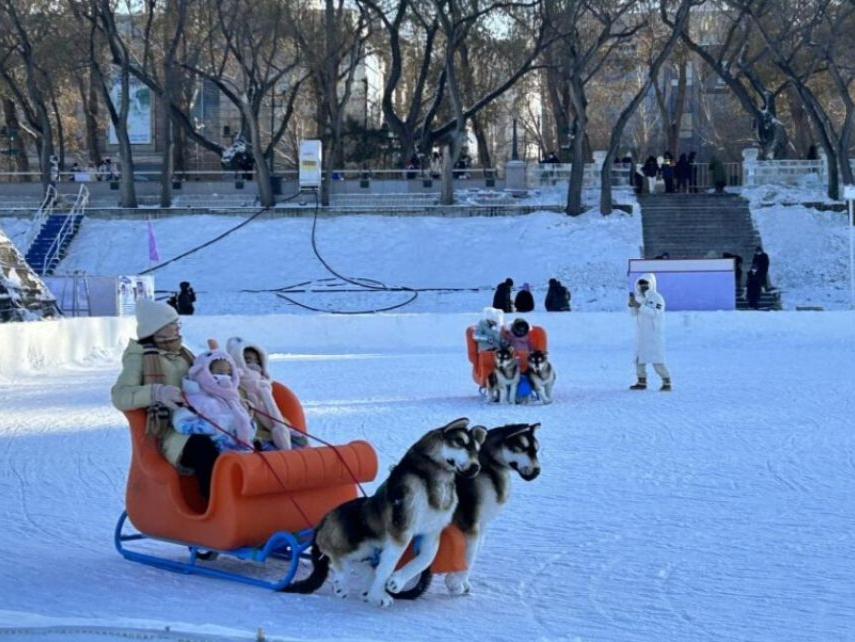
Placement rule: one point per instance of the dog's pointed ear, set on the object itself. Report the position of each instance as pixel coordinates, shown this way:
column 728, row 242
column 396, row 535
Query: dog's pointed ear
column 457, row 424
column 534, row 427
column 479, row 434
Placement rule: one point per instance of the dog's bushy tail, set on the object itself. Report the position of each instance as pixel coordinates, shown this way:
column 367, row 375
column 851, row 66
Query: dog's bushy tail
column 320, row 571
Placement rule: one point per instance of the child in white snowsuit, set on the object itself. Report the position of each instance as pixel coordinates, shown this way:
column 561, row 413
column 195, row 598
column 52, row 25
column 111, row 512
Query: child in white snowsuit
column 488, row 332
column 274, row 431
column 215, row 406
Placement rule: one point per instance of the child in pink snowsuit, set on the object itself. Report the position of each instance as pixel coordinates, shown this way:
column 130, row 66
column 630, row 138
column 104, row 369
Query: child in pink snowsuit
column 211, row 389
column 257, row 386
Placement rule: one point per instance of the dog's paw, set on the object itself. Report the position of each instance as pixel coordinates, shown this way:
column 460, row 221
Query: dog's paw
column 546, row 401
column 339, row 589
column 457, row 584
column 395, row 583
column 382, row 600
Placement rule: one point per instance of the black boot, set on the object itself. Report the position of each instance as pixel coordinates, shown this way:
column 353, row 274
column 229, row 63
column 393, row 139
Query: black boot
column 641, row 384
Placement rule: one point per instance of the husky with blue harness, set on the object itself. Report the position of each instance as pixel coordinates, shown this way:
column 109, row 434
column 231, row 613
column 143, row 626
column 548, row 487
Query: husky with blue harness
column 418, row 500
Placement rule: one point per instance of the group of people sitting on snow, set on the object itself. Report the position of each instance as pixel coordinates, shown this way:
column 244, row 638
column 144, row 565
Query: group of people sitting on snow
column 199, row 405
column 557, row 297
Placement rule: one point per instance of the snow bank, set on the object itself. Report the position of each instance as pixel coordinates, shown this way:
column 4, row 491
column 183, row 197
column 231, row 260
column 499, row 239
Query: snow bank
column 38, row 346
column 34, row 347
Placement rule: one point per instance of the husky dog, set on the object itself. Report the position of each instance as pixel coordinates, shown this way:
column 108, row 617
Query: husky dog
column 511, row 447
column 418, row 498
column 542, row 375
column 506, row 376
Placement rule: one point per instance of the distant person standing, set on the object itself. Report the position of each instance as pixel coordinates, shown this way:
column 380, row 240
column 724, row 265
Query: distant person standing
column 719, row 176
column 648, row 308
column 650, row 169
column 667, row 171
column 761, row 262
column 524, row 301
column 502, row 297
column 683, row 173
column 753, row 288
column 186, row 299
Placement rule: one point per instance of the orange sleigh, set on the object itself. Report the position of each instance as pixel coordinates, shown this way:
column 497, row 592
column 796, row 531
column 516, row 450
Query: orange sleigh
column 483, row 362
column 262, row 505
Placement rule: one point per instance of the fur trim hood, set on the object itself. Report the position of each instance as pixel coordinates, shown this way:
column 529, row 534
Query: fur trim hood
column 650, row 278
column 237, row 346
column 494, row 314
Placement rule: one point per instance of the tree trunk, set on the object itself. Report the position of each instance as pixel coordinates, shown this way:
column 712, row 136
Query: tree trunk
column 262, row 172
column 484, row 159
column 89, row 98
column 447, row 190
column 802, row 135
column 577, row 171
column 165, row 143
column 127, row 189
column 18, row 145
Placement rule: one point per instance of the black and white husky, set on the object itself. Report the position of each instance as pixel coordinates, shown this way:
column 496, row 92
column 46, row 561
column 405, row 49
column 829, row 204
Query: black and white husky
column 541, row 374
column 512, row 447
column 505, row 377
column 418, row 498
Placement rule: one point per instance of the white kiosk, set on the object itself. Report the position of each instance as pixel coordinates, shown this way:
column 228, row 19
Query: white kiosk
column 690, row 284
column 311, row 164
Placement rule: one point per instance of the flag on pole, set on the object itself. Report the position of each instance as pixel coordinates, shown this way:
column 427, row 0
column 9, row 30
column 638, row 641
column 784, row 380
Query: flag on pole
column 153, row 256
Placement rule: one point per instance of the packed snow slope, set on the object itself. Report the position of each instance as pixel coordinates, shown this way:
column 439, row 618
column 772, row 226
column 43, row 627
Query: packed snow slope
column 721, row 511
column 458, row 261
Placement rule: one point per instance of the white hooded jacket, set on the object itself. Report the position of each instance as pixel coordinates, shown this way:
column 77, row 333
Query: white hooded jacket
column 649, row 319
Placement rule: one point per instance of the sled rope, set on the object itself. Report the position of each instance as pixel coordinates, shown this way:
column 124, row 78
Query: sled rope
column 251, row 448
column 322, row 441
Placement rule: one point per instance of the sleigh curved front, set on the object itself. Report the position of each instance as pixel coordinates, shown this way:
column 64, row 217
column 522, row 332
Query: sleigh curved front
column 253, row 495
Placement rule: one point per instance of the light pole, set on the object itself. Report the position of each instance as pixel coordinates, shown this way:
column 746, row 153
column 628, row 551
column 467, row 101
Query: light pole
column 272, row 123
column 849, row 195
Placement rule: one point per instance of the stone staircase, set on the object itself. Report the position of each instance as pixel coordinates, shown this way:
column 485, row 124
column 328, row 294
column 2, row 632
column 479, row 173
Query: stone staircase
column 696, row 226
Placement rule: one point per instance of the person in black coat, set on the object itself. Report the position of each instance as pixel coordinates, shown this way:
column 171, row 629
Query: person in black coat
column 563, row 298
column 186, row 299
column 761, row 261
column 753, row 287
column 502, row 297
column 524, row 301
column 683, row 173
column 650, row 169
column 557, row 297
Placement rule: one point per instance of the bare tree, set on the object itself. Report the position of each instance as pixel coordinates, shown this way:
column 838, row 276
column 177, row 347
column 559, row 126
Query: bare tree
column 677, row 21
column 591, row 31
column 806, row 41
column 734, row 52
column 24, row 44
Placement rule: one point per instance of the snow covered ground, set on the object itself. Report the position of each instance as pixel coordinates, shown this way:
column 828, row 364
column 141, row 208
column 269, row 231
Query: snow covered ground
column 721, row 511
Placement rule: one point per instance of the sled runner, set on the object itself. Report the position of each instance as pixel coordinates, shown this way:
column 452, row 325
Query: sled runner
column 263, row 506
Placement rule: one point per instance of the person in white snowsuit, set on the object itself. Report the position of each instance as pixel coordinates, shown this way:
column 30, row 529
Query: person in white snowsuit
column 648, row 308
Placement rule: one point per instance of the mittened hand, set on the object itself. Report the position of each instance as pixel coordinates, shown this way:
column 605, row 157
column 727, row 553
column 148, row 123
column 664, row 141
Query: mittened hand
column 169, row 396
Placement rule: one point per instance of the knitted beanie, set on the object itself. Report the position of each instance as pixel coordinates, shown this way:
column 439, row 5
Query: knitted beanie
column 152, row 316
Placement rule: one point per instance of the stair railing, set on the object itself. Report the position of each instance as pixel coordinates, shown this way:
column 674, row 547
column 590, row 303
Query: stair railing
column 41, row 215
column 67, row 227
